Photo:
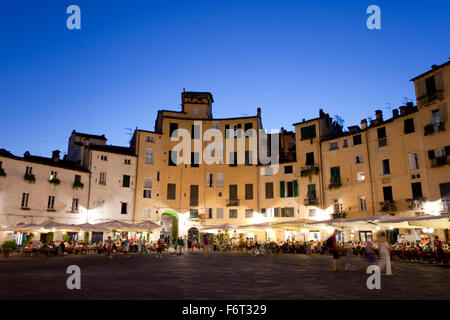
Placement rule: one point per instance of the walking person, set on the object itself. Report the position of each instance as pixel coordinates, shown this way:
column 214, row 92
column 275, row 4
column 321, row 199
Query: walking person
column 205, row 246
column 439, row 251
column 159, row 249
column 109, row 247
column 180, row 245
column 385, row 256
column 126, row 246
column 349, row 254
column 333, row 248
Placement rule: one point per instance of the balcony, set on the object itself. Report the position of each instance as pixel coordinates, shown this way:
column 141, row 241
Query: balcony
column 312, row 201
column 30, row 178
column 309, row 170
column 382, row 142
column 335, row 183
column 415, row 204
column 430, row 97
column 388, row 206
column 433, row 128
column 445, row 206
column 232, row 202
column 440, row 161
column 339, row 215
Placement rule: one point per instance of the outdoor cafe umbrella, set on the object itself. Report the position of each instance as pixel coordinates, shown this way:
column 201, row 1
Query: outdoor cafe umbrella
column 225, row 226
column 148, row 225
column 88, row 227
column 118, row 225
column 21, row 227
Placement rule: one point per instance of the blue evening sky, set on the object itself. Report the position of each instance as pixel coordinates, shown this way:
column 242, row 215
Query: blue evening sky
column 133, row 57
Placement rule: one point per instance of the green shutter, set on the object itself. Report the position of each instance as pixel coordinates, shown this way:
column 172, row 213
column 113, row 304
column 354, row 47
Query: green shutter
column 282, row 189
column 295, row 188
column 283, row 212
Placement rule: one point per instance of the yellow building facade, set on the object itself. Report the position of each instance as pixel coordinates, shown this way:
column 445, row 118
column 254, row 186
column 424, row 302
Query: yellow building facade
column 389, row 165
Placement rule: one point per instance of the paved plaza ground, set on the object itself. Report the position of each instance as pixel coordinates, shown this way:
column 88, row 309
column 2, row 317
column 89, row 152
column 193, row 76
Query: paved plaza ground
column 221, row 276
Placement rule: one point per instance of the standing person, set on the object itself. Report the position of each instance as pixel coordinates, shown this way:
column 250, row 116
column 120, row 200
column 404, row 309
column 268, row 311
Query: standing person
column 159, row 249
column 333, row 248
column 143, row 245
column 439, row 251
column 180, row 245
column 348, row 256
column 126, row 246
column 205, row 246
column 385, row 256
column 109, row 247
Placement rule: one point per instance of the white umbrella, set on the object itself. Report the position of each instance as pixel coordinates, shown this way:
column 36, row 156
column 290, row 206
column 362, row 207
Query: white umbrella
column 21, row 227
column 225, row 226
column 88, row 227
column 148, row 225
column 118, row 225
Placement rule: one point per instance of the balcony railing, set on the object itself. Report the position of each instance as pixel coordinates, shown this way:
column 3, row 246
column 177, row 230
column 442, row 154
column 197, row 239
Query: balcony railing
column 232, row 202
column 430, row 97
column 311, row 201
column 388, row 206
column 339, row 215
column 445, row 206
column 440, row 161
column 433, row 128
column 309, row 170
column 415, row 204
column 382, row 142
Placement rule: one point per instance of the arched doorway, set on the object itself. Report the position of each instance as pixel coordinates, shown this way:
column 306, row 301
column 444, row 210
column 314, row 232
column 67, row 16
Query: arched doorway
column 193, row 234
column 169, row 222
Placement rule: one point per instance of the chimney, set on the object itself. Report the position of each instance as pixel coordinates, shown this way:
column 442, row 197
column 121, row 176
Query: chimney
column 321, row 113
column 258, row 111
column 409, row 105
column 26, row 154
column 395, row 113
column 282, row 130
column 55, row 155
column 379, row 115
column 364, row 124
column 402, row 110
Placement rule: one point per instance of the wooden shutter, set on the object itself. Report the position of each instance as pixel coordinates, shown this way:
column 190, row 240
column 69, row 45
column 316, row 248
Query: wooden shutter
column 248, row 191
column 194, row 195
column 233, row 191
column 295, row 188
column 282, row 193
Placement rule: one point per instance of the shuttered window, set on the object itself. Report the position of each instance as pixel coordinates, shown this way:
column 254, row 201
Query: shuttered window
column 387, row 194
column 248, row 191
column 357, row 139
column 282, row 193
column 194, row 195
column 171, row 187
column 173, row 127
column 308, row 132
column 269, row 190
column 335, row 174
column 233, row 191
column 416, row 189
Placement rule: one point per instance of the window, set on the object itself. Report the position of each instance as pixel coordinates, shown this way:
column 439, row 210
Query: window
column 413, row 161
column 276, row 212
column 157, row 176
column 416, row 188
column 269, row 190
column 209, row 180
column 408, row 126
column 123, row 208
column 248, row 126
column 292, row 188
column 289, row 212
column 308, row 132
column 195, row 160
column 148, row 182
column 310, row 159
column 193, row 195
column 385, row 166
column 51, row 203
column 233, row 191
column 444, row 189
column 150, row 139
column 362, row 203
column 248, row 191
column 104, row 158
column 382, row 140
column 147, row 194
column 357, row 139
column 102, row 179
column 195, row 131
column 360, row 176
column 335, row 175
column 77, row 179
column 193, row 213
column 172, row 158
column 227, row 131
column 220, row 180
column 219, row 212
column 100, row 206
column 145, row 212
column 127, row 161
column 264, row 212
column 337, row 206
column 171, row 187
column 173, row 128
column 195, row 111
column 74, row 205
column 430, row 84
column 387, row 194
column 359, row 159
column 209, row 213
column 312, row 191
column 435, row 116
column 233, row 213
column 248, row 158
column 288, row 169
column 25, row 198
column 216, row 125
column 248, row 213
column 238, row 130
column 233, row 159
column 283, row 212
column 345, row 143
column 268, row 171
column 28, row 170
column 312, row 213
column 334, row 145
column 126, row 181
column 53, row 175
column 148, row 156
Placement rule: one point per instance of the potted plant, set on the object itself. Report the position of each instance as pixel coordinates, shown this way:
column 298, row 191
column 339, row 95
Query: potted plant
column 77, row 185
column 2, row 172
column 29, row 177
column 55, row 181
column 7, row 247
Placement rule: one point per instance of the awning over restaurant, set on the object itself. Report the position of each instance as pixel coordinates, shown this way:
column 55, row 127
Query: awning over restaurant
column 225, row 226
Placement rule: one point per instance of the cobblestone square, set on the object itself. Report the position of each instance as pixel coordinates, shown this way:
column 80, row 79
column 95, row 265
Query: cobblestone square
column 220, row 276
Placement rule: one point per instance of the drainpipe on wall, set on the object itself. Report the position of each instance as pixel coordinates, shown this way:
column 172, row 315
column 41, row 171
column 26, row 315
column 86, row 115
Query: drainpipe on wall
column 89, row 191
column 370, row 174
